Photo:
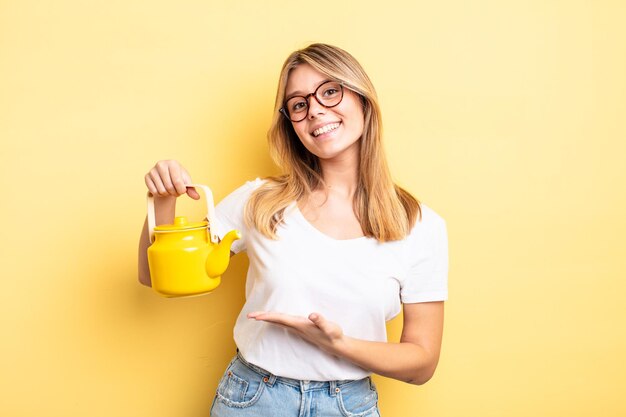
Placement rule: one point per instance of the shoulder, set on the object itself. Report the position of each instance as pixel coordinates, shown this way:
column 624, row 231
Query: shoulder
column 238, row 197
column 430, row 216
column 250, row 185
column 244, row 190
column 431, row 225
column 426, row 247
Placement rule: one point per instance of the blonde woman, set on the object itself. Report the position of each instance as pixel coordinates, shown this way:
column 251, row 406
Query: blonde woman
column 336, row 249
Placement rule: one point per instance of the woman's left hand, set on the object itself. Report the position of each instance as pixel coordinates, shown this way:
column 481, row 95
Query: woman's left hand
column 315, row 328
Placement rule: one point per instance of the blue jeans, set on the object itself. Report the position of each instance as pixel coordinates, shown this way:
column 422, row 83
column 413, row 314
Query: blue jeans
column 247, row 390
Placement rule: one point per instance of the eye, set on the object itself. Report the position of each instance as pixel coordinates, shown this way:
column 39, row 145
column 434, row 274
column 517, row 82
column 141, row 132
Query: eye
column 330, row 91
column 298, row 105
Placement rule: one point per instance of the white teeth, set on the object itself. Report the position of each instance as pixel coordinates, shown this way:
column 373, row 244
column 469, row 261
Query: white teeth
column 325, row 129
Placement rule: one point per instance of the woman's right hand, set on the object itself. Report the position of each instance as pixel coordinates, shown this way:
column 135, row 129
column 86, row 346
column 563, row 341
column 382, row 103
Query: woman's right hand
column 168, row 178
column 166, row 181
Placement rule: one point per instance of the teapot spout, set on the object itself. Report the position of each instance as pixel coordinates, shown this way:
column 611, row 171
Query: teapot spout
column 218, row 259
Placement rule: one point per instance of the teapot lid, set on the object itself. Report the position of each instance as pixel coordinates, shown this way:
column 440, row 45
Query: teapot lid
column 180, row 224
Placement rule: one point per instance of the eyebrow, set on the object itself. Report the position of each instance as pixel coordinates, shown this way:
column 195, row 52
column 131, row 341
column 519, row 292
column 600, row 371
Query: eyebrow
column 300, row 93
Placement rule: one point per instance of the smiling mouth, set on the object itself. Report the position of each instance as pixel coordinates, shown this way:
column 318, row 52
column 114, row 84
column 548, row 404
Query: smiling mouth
column 325, row 129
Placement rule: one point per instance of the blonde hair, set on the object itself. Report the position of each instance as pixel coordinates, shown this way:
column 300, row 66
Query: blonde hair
column 385, row 211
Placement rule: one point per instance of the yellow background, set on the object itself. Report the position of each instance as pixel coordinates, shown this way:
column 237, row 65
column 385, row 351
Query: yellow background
column 506, row 117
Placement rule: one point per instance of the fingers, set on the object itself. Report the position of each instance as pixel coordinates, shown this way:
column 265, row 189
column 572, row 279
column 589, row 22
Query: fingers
column 298, row 323
column 150, row 184
column 176, row 179
column 278, row 318
column 155, row 181
column 168, row 179
column 255, row 314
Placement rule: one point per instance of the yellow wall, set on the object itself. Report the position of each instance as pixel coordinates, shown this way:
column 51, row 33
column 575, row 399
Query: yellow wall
column 505, row 117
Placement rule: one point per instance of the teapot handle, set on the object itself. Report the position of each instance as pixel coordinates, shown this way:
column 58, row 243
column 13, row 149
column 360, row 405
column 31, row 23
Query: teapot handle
column 210, row 213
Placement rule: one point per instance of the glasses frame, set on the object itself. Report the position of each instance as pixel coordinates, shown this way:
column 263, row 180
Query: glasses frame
column 285, row 112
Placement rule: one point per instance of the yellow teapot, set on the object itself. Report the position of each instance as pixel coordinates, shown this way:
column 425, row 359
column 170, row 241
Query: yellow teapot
column 187, row 258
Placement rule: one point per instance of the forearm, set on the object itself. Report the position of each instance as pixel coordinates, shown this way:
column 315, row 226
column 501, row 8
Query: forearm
column 413, row 360
column 164, row 214
column 405, row 361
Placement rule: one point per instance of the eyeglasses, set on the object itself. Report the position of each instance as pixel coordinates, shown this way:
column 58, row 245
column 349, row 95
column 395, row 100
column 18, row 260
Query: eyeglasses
column 328, row 94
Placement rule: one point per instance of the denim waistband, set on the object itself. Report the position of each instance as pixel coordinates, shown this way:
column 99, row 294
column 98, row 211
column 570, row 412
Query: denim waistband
column 304, row 385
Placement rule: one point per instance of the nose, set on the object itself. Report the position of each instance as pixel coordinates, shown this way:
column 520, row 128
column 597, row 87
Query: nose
column 315, row 108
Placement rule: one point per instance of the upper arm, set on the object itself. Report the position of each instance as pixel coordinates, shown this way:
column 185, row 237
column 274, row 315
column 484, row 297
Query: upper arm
column 423, row 326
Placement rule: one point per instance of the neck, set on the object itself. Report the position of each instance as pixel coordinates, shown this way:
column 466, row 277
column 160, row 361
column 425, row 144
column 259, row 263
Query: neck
column 340, row 175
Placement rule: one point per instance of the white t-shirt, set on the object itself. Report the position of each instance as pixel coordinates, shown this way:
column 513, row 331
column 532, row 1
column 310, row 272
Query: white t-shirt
column 356, row 283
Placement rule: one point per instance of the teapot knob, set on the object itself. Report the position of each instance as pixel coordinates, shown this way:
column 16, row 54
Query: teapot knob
column 180, row 221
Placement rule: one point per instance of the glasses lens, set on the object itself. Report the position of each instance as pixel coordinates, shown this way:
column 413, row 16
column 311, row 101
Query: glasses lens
column 329, row 94
column 296, row 108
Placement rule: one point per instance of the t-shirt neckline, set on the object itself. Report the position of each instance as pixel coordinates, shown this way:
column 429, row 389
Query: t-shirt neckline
column 318, row 232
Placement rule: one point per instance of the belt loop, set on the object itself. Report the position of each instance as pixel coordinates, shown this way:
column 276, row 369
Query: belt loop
column 333, row 388
column 270, row 380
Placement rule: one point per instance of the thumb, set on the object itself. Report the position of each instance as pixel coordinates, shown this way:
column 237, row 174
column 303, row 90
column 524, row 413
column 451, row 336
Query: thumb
column 191, row 192
column 317, row 319
column 330, row 329
column 322, row 324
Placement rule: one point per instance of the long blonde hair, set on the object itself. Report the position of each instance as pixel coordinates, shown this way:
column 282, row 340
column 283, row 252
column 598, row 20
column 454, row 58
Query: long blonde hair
column 385, row 211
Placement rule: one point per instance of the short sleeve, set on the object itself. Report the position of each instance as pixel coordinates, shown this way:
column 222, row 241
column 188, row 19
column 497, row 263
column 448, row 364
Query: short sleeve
column 427, row 260
column 229, row 213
